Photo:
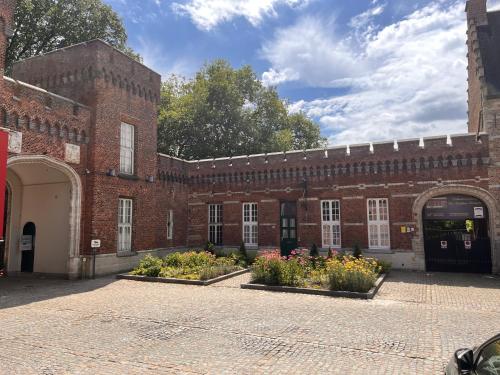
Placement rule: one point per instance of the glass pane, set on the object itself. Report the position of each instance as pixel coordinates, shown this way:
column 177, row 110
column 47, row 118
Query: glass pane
column 292, row 234
column 284, row 222
column 292, row 223
column 489, row 359
column 284, row 234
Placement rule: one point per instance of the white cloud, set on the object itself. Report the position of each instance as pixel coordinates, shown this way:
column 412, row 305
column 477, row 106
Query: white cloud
column 406, row 80
column 155, row 57
column 208, row 14
column 309, row 52
column 494, row 5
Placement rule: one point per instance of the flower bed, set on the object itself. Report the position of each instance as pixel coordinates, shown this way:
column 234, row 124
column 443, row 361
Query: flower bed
column 193, row 267
column 335, row 273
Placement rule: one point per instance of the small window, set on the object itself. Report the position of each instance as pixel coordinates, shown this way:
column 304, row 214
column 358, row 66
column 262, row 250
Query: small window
column 378, row 224
column 215, row 224
column 127, row 149
column 330, row 223
column 250, row 224
column 170, row 224
column 125, row 225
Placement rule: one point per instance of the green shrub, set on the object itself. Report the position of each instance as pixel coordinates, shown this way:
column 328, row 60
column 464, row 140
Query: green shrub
column 384, row 266
column 271, row 269
column 314, row 251
column 352, row 274
column 216, row 271
column 148, row 266
column 243, row 253
column 210, row 248
column 356, row 251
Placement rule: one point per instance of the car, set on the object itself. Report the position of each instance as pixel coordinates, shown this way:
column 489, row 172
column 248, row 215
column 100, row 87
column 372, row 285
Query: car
column 482, row 360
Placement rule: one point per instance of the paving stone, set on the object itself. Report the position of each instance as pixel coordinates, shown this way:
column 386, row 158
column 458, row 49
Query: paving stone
column 109, row 326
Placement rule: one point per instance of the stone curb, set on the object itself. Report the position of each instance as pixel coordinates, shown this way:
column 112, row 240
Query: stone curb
column 320, row 292
column 169, row 280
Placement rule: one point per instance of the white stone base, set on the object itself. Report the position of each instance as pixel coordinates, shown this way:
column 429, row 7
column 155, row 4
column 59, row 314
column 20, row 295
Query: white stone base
column 107, row 264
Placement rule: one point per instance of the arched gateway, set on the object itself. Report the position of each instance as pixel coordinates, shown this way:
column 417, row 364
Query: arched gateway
column 45, row 193
column 456, row 229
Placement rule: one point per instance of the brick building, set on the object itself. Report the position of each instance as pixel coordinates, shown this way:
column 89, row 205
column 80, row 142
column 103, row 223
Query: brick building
column 83, row 165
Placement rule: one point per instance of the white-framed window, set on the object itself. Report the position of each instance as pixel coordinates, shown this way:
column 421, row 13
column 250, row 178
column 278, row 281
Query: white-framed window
column 379, row 236
column 250, row 224
column 330, row 224
column 215, row 224
column 170, row 224
column 125, row 225
column 126, row 149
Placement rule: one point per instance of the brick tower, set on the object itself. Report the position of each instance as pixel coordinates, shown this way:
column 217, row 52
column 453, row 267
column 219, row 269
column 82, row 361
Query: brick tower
column 6, row 19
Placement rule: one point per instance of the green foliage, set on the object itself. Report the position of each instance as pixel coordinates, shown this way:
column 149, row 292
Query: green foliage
column 192, row 265
column 314, row 251
column 344, row 273
column 384, row 266
column 353, row 279
column 209, row 247
column 224, row 111
column 276, row 271
column 148, row 266
column 356, row 251
column 330, row 253
column 243, row 253
column 41, row 26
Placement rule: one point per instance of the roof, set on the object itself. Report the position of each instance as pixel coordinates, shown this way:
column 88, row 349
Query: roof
column 489, row 44
column 84, row 44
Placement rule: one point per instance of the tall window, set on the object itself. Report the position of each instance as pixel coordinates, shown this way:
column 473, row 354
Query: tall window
column 125, row 225
column 330, row 223
column 170, row 224
column 215, row 223
column 127, row 149
column 250, row 224
column 378, row 224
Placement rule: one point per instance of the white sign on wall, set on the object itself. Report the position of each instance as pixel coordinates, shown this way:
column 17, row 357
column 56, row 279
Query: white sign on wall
column 72, row 153
column 95, row 244
column 15, row 142
column 478, row 213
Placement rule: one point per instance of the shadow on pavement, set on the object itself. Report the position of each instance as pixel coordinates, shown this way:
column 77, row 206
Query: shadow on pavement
column 23, row 290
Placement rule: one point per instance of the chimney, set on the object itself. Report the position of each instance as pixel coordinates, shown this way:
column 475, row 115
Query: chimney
column 6, row 24
column 476, row 11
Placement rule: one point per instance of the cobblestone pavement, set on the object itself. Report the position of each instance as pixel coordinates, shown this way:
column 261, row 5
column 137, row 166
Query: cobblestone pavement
column 107, row 326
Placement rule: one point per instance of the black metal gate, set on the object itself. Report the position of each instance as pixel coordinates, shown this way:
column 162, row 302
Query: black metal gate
column 456, row 235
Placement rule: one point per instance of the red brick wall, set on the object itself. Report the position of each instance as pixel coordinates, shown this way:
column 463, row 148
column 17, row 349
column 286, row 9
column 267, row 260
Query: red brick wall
column 117, row 89
column 399, row 176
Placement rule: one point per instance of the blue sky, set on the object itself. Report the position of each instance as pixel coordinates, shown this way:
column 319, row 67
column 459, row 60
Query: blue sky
column 364, row 70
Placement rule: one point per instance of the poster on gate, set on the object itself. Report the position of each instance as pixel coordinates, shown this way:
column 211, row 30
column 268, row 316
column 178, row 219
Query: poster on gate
column 4, row 141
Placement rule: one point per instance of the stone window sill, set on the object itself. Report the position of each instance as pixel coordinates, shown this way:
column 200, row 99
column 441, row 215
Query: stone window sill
column 124, row 254
column 131, row 177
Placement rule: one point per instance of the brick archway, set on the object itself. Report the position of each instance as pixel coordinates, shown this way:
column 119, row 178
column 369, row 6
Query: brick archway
column 73, row 264
column 482, row 194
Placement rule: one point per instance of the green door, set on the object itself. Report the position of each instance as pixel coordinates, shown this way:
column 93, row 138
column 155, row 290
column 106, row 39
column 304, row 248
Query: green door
column 288, row 227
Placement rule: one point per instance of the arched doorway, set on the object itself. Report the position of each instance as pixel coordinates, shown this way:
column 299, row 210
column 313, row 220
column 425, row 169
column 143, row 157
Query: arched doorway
column 44, row 207
column 456, row 234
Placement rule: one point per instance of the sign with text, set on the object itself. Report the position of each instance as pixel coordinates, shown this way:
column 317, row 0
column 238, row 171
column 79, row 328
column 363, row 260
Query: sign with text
column 26, row 242
column 95, row 244
column 478, row 213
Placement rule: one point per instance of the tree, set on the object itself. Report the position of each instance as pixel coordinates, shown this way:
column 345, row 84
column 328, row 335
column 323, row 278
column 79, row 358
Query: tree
column 225, row 112
column 41, row 26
